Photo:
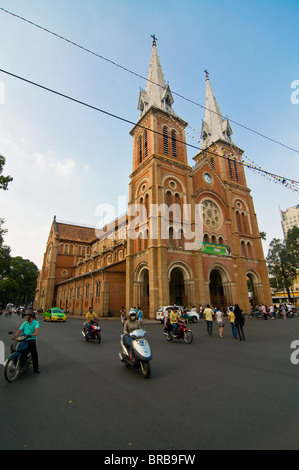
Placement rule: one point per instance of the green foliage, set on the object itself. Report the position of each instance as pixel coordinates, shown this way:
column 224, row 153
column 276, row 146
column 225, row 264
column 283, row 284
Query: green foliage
column 283, row 259
column 4, row 180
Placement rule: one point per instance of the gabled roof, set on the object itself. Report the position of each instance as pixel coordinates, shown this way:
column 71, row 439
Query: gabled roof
column 75, row 233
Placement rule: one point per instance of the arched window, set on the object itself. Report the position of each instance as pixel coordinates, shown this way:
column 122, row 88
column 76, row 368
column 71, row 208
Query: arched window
column 145, row 239
column 170, row 236
column 165, row 140
column 249, row 251
column 236, row 170
column 173, row 140
column 140, row 149
column 145, row 144
column 230, row 169
column 212, row 162
column 168, row 198
column 243, row 248
column 238, row 221
column 181, row 238
column 244, row 222
column 146, row 200
column 177, row 205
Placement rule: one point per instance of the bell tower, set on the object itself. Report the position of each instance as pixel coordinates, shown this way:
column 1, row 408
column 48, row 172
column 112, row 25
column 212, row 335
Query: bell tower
column 159, row 176
column 229, row 215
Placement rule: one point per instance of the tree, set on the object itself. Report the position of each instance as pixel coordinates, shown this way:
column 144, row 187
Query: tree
column 4, row 252
column 8, row 291
column 283, row 259
column 24, row 273
column 4, row 180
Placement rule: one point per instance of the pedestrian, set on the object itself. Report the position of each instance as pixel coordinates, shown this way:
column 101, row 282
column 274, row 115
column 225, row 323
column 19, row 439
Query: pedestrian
column 220, row 323
column 123, row 315
column 272, row 312
column 185, row 314
column 231, row 317
column 201, row 309
column 239, row 321
column 139, row 316
column 30, row 329
column 264, row 310
column 208, row 314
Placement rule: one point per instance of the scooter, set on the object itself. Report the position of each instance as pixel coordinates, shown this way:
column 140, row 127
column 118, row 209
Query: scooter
column 16, row 363
column 183, row 332
column 141, row 352
column 95, row 332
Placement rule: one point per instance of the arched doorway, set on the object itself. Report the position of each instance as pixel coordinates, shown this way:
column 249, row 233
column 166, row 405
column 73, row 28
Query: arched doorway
column 141, row 289
column 177, row 287
column 253, row 288
column 219, row 286
column 181, row 284
column 144, row 292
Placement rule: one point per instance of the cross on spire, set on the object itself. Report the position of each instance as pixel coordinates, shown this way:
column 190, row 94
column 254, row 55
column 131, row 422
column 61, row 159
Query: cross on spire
column 207, row 73
column 154, row 39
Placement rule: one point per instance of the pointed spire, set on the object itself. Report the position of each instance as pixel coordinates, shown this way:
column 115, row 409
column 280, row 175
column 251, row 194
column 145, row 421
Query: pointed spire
column 214, row 126
column 157, row 93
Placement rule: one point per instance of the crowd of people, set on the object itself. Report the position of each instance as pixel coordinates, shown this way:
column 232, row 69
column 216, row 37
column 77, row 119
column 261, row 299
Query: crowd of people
column 234, row 314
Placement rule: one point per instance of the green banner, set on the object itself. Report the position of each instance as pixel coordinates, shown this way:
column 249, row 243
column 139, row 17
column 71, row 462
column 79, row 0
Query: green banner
column 214, row 249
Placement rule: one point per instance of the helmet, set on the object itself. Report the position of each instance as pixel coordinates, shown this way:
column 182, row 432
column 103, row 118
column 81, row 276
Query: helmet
column 132, row 313
column 31, row 313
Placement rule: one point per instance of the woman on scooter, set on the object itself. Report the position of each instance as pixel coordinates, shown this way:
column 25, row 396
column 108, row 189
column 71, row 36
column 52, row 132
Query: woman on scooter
column 130, row 325
column 30, row 329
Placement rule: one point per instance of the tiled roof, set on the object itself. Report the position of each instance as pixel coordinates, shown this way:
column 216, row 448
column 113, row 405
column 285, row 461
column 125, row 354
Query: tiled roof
column 76, row 233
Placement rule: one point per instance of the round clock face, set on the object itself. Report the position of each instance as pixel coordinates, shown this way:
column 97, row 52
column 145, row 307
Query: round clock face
column 208, row 178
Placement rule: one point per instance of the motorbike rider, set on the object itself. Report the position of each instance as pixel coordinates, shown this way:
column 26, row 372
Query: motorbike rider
column 174, row 320
column 30, row 328
column 90, row 318
column 130, row 325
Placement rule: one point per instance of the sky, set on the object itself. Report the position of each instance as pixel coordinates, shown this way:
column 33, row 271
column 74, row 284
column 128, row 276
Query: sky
column 66, row 159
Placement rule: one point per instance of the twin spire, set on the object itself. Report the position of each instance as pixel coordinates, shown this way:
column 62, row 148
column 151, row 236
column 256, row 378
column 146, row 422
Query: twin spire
column 157, row 93
column 214, row 126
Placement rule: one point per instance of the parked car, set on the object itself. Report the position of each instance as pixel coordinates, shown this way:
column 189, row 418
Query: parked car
column 160, row 315
column 191, row 315
column 54, row 314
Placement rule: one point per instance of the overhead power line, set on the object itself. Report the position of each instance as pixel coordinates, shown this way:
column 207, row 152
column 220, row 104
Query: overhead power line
column 144, row 78
column 255, row 168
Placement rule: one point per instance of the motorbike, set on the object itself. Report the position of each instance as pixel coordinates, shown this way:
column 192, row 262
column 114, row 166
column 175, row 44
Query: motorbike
column 141, row 350
column 183, row 332
column 95, row 332
column 257, row 314
column 17, row 363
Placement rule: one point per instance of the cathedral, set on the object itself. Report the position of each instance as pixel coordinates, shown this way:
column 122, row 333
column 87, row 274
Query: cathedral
column 189, row 237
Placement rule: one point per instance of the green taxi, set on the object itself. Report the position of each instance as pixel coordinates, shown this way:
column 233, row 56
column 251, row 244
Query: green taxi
column 54, row 314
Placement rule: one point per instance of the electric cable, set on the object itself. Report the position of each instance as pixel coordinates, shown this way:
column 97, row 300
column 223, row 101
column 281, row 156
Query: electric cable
column 144, row 78
column 139, row 125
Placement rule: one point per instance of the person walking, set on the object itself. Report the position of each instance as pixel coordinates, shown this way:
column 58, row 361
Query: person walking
column 220, row 323
column 239, row 321
column 208, row 314
column 123, row 315
column 231, row 317
column 139, row 316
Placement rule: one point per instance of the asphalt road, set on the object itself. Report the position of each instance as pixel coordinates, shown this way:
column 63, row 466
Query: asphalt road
column 216, row 393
